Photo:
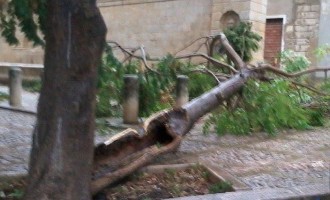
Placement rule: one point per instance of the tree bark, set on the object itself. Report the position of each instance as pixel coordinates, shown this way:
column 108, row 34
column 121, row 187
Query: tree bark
column 62, row 150
column 128, row 151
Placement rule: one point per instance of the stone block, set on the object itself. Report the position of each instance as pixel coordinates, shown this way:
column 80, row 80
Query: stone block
column 303, row 35
column 263, row 2
column 254, row 16
column 220, row 1
column 300, row 1
column 257, row 7
column 313, row 28
column 301, row 28
column 303, row 8
column 245, row 15
column 315, row 8
column 216, row 16
column 309, row 15
column 289, row 29
column 311, row 21
column 302, row 41
column 303, row 47
column 259, row 26
column 299, row 22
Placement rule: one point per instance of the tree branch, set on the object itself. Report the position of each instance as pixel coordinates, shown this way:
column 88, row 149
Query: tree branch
column 194, row 41
column 215, row 62
column 208, row 72
column 277, row 71
column 231, row 53
column 309, row 88
column 144, row 59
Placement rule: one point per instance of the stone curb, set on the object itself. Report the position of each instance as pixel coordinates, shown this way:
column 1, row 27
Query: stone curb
column 18, row 109
column 313, row 192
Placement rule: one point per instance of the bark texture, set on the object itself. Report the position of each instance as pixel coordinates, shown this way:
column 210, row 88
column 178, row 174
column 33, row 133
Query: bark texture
column 62, row 151
column 128, row 151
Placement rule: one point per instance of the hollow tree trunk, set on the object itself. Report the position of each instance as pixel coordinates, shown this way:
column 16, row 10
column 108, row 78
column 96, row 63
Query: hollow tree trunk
column 62, row 150
column 129, row 151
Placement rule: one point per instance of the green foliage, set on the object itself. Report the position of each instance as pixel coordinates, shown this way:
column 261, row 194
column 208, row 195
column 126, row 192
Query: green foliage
column 3, row 96
column 32, row 85
column 243, row 39
column 109, row 85
column 293, row 62
column 200, row 83
column 264, row 107
column 16, row 194
column 317, row 116
column 29, row 16
column 322, row 108
column 220, row 187
column 322, row 51
column 156, row 91
column 325, row 87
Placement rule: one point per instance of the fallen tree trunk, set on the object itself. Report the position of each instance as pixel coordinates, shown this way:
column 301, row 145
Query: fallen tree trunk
column 162, row 133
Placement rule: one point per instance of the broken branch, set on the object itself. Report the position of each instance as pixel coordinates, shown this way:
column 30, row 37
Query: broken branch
column 275, row 70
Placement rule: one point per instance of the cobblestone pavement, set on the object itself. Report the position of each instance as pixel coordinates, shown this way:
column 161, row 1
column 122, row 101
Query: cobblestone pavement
column 288, row 160
column 29, row 100
column 15, row 142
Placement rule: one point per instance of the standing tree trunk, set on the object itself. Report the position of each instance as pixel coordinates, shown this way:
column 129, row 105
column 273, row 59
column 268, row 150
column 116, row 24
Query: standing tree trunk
column 62, row 150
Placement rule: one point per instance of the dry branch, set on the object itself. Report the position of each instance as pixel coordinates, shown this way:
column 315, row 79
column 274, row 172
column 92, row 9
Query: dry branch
column 267, row 67
column 208, row 72
column 143, row 58
column 207, row 38
column 308, row 88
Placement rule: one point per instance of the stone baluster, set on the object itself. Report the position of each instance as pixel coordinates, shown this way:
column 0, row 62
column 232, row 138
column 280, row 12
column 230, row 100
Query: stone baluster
column 131, row 99
column 182, row 93
column 15, row 87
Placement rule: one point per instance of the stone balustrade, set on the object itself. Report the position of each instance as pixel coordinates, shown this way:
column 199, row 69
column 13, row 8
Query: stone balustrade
column 15, row 80
column 130, row 93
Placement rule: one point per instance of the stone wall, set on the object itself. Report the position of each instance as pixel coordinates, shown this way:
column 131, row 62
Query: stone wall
column 22, row 53
column 301, row 30
column 248, row 10
column 324, row 33
column 162, row 26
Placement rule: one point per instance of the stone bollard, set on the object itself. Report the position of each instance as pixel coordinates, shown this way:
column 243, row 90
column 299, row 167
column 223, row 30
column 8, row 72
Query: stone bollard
column 15, row 87
column 182, row 93
column 131, row 99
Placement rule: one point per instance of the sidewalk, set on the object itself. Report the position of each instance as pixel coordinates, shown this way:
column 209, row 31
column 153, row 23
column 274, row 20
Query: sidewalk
column 288, row 161
column 29, row 100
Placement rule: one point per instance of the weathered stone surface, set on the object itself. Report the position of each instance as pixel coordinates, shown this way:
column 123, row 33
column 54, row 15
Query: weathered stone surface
column 289, row 160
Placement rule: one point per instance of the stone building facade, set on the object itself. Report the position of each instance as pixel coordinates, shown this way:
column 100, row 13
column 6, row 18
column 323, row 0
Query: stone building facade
column 305, row 27
column 165, row 26
column 162, row 26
